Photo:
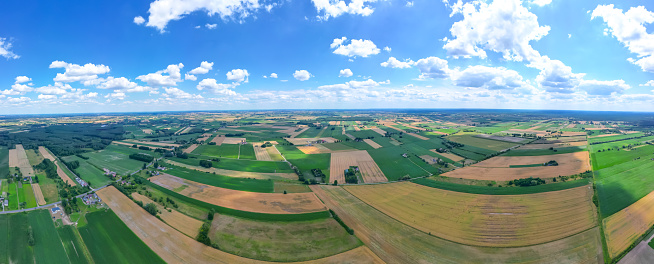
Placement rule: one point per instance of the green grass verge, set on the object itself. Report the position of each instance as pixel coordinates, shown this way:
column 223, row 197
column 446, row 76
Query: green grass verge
column 500, row 190
column 109, row 240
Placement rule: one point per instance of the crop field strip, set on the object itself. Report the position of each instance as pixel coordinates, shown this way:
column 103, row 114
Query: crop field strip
column 484, row 220
column 624, row 227
column 621, row 185
column 46, row 154
column 174, row 247
column 395, row 242
column 265, row 203
column 574, row 164
column 181, row 222
column 234, row 183
column 233, row 173
column 18, row 158
column 341, row 161
column 491, row 190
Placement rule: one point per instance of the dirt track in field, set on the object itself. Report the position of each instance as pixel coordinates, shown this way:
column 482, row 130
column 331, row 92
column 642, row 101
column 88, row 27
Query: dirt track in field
column 340, row 161
column 174, row 247
column 395, row 242
column 624, row 227
column 183, row 223
column 267, row 203
column 40, row 200
column 577, row 163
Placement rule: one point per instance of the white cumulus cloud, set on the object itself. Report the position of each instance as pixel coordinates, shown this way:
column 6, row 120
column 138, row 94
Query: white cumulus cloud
column 357, row 47
column 139, row 20
column 392, row 62
column 75, row 73
column 302, row 75
column 335, row 8
column 213, row 86
column 238, row 75
column 432, row 67
column 5, row 49
column 164, row 11
column 345, row 73
column 158, row 78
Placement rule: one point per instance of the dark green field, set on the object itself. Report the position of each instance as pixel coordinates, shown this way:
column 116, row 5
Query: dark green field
column 622, row 185
column 394, row 166
column 312, row 132
column 247, row 152
column 542, row 152
column 241, row 184
column 605, row 159
column 240, row 165
column 222, row 151
column 13, row 239
column 48, row 248
column 4, row 162
column 109, row 241
column 73, row 244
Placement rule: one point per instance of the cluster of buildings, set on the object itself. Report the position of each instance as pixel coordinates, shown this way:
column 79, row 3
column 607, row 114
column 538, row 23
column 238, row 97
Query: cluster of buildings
column 90, row 199
column 81, row 182
column 111, row 174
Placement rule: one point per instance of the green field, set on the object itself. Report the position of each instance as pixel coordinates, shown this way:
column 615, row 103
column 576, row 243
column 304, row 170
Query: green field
column 336, row 146
column 247, row 152
column 75, row 247
column 12, row 195
column 393, row 165
column 13, row 239
column 4, row 162
column 622, row 185
column 222, row 151
column 48, row 188
column 306, row 162
column 614, row 138
column 489, row 144
column 88, row 172
column 29, row 196
column 242, row 184
column 241, row 165
column 312, row 132
column 114, row 158
column 605, row 159
column 109, row 240
column 490, row 190
column 238, row 213
column 543, row 152
column 281, row 241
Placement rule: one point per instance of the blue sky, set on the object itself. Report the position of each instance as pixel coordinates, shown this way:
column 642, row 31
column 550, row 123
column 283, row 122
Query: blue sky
column 117, row 56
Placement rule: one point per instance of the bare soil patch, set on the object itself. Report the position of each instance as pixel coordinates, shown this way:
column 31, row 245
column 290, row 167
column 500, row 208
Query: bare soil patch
column 191, row 148
column 218, row 140
column 379, row 130
column 233, row 140
column 305, row 141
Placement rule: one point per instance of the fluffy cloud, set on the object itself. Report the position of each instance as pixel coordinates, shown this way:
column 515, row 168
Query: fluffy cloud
column 503, row 26
column 204, row 68
column 56, row 89
column 629, row 28
column 353, row 89
column 164, row 11
column 302, row 75
column 357, row 47
column 594, row 87
column 395, row 63
column 122, row 84
column 432, row 67
column 648, row 83
column 345, row 73
column 179, row 94
column 190, row 77
column 541, row 2
column 115, row 96
column 387, row 49
column 76, row 73
column 157, row 79
column 238, row 75
column 139, row 20
column 556, row 76
column 213, row 86
column 490, row 78
column 22, row 79
column 272, row 75
column 5, row 49
column 335, row 8
column 211, row 26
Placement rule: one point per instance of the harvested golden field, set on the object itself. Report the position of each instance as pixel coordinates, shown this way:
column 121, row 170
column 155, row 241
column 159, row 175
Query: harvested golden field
column 449, row 155
column 261, row 153
column 570, row 126
column 233, row 140
column 274, row 154
column 45, row 153
column 40, row 200
column 341, row 161
column 576, row 164
column 147, row 131
column 624, row 227
column 372, row 143
column 395, row 242
column 553, row 145
column 183, row 223
column 238, row 174
column 160, row 144
column 218, row 140
column 484, row 220
column 191, row 148
column 528, row 131
column 267, row 203
column 18, row 158
column 204, row 137
column 305, row 141
column 379, row 130
column 63, row 175
column 573, row 158
column 309, row 149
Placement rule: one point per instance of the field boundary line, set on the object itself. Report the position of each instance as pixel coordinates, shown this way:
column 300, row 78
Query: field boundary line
column 462, row 243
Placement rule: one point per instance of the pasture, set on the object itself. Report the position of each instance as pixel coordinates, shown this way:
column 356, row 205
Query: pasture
column 395, row 242
column 281, row 241
column 491, row 190
column 484, row 220
column 222, row 151
column 542, row 152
